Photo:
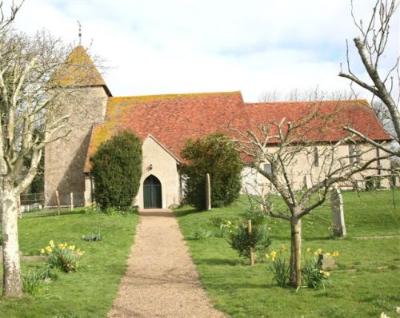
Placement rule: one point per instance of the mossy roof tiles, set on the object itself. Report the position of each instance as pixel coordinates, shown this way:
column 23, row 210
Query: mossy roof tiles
column 173, row 119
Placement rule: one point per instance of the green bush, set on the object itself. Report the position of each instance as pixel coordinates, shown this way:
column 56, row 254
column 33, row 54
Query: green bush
column 216, row 155
column 117, row 168
column 242, row 241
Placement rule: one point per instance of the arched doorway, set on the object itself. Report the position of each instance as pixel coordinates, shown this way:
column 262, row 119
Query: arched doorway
column 152, row 193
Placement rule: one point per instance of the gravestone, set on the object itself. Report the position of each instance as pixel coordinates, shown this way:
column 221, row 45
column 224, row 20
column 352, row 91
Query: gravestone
column 338, row 223
column 328, row 262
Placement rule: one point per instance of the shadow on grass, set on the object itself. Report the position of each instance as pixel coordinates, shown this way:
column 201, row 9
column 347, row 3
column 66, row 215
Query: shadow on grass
column 218, row 261
column 187, row 211
column 51, row 213
column 235, row 286
column 157, row 213
column 312, row 238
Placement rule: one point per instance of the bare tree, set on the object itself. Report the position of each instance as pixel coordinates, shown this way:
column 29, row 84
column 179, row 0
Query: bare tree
column 371, row 45
column 30, row 104
column 299, row 172
column 7, row 18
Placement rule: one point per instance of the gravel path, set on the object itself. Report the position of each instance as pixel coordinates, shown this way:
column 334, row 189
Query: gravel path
column 161, row 280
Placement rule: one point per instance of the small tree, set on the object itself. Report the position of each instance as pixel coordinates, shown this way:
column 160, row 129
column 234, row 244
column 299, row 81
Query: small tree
column 291, row 193
column 216, row 155
column 117, row 168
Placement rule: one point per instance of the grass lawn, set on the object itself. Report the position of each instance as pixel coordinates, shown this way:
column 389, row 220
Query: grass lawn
column 366, row 282
column 89, row 292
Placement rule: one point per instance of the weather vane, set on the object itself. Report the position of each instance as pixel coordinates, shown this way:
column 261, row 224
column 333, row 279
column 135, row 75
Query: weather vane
column 80, row 32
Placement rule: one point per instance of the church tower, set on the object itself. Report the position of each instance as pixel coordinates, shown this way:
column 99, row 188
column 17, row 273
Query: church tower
column 65, row 157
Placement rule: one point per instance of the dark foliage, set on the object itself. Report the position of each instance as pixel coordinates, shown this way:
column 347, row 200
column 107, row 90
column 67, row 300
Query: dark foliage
column 216, row 155
column 117, row 168
column 242, row 241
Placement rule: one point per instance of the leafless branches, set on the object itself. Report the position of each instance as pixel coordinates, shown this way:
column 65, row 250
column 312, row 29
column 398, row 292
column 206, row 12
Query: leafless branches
column 294, row 175
column 7, row 18
column 291, row 174
column 371, row 45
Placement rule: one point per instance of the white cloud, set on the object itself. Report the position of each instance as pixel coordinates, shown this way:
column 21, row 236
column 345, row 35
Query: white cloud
column 157, row 46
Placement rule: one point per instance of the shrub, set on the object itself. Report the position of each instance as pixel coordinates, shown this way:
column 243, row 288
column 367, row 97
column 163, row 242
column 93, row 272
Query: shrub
column 63, row 256
column 117, row 168
column 279, row 267
column 216, row 155
column 242, row 241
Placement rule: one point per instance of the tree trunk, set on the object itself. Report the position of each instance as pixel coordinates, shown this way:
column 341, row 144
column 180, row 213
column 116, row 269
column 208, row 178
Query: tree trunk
column 12, row 286
column 295, row 252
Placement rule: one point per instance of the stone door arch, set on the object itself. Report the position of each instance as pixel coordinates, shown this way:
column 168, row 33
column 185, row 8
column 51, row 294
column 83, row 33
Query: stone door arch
column 152, row 193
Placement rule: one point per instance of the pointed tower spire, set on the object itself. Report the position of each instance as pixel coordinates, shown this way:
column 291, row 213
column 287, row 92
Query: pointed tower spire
column 79, row 71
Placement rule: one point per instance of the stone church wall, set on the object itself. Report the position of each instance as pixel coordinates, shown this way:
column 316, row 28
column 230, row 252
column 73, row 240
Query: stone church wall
column 65, row 158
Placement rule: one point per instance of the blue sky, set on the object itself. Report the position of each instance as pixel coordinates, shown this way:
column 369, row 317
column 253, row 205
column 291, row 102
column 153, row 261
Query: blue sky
column 178, row 46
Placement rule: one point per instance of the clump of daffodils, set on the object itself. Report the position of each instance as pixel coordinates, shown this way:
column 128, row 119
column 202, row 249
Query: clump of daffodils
column 63, row 256
column 313, row 274
column 319, row 252
column 274, row 254
column 279, row 267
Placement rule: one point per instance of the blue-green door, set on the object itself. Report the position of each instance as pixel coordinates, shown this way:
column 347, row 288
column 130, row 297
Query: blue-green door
column 152, row 193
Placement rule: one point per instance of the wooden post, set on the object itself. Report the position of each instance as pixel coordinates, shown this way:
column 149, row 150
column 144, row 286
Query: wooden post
column 71, row 197
column 208, row 192
column 58, row 201
column 252, row 254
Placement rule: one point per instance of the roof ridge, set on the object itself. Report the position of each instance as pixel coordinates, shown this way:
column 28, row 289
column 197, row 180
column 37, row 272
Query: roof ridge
column 358, row 100
column 178, row 94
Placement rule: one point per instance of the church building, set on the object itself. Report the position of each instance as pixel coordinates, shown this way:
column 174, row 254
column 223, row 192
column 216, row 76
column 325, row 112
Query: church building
column 164, row 123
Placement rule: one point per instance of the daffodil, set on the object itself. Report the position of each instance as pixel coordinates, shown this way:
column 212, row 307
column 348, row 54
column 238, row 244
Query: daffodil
column 318, row 252
column 42, row 251
column 51, row 243
column 308, row 250
column 335, row 254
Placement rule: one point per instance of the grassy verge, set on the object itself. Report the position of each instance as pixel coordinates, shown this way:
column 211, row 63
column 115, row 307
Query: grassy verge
column 89, row 292
column 365, row 284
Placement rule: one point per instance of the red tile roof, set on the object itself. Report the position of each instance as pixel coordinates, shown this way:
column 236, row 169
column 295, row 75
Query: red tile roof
column 323, row 121
column 173, row 119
